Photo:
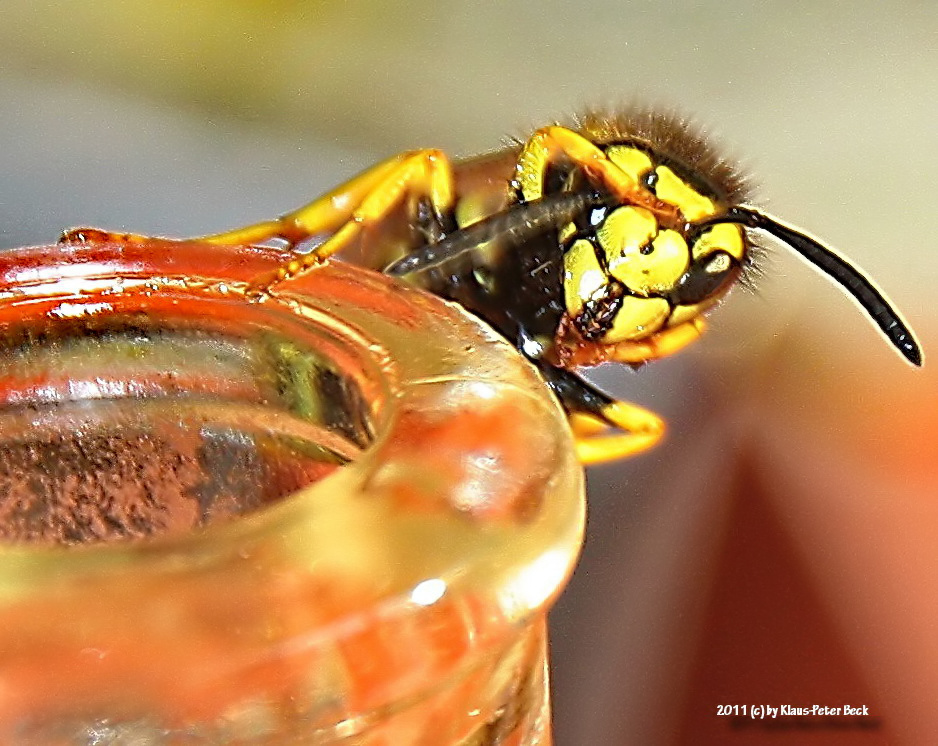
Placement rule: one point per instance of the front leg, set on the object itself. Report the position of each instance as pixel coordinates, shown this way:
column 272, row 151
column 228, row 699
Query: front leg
column 423, row 178
column 592, row 415
column 559, row 146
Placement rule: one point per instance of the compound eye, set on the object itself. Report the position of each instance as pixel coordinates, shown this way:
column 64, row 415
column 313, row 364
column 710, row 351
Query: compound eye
column 708, row 277
column 647, row 261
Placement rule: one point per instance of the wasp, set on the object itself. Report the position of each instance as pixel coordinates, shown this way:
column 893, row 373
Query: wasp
column 604, row 241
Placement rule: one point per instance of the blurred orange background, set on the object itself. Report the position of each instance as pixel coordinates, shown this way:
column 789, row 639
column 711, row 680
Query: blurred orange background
column 782, row 546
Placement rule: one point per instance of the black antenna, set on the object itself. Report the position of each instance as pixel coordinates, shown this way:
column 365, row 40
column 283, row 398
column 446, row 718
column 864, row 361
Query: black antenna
column 515, row 225
column 844, row 273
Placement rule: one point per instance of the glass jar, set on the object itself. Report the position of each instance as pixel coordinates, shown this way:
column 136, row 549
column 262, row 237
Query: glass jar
column 333, row 516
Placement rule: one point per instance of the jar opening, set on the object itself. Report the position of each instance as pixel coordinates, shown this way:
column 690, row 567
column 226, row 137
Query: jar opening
column 121, row 419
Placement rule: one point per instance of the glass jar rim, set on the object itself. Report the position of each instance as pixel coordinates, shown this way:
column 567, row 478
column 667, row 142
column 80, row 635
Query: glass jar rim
column 389, row 325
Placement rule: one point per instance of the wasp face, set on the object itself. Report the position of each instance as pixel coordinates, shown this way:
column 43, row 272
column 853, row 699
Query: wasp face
column 628, row 273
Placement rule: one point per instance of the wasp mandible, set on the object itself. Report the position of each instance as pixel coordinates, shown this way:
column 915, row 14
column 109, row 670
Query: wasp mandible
column 604, row 241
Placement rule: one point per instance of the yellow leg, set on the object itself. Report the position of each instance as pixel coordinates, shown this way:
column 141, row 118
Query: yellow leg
column 551, row 145
column 354, row 207
column 638, row 428
column 604, row 429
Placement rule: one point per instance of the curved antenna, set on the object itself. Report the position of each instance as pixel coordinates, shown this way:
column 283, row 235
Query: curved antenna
column 845, row 274
column 513, row 226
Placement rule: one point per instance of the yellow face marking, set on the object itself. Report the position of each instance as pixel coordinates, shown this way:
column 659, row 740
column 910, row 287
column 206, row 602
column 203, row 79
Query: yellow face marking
column 682, row 314
column 583, row 276
column 624, row 231
column 566, row 233
column 631, row 160
column 637, row 318
column 688, row 200
column 726, row 237
column 645, row 260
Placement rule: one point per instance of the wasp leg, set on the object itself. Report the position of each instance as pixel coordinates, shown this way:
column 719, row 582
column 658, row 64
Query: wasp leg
column 553, row 145
column 426, row 176
column 592, row 413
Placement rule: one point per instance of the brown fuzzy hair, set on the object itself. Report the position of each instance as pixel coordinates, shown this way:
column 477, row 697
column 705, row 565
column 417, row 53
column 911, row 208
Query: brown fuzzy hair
column 674, row 138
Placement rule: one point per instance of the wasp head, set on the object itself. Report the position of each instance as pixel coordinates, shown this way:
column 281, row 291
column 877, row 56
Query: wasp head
column 629, row 277
column 631, row 271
